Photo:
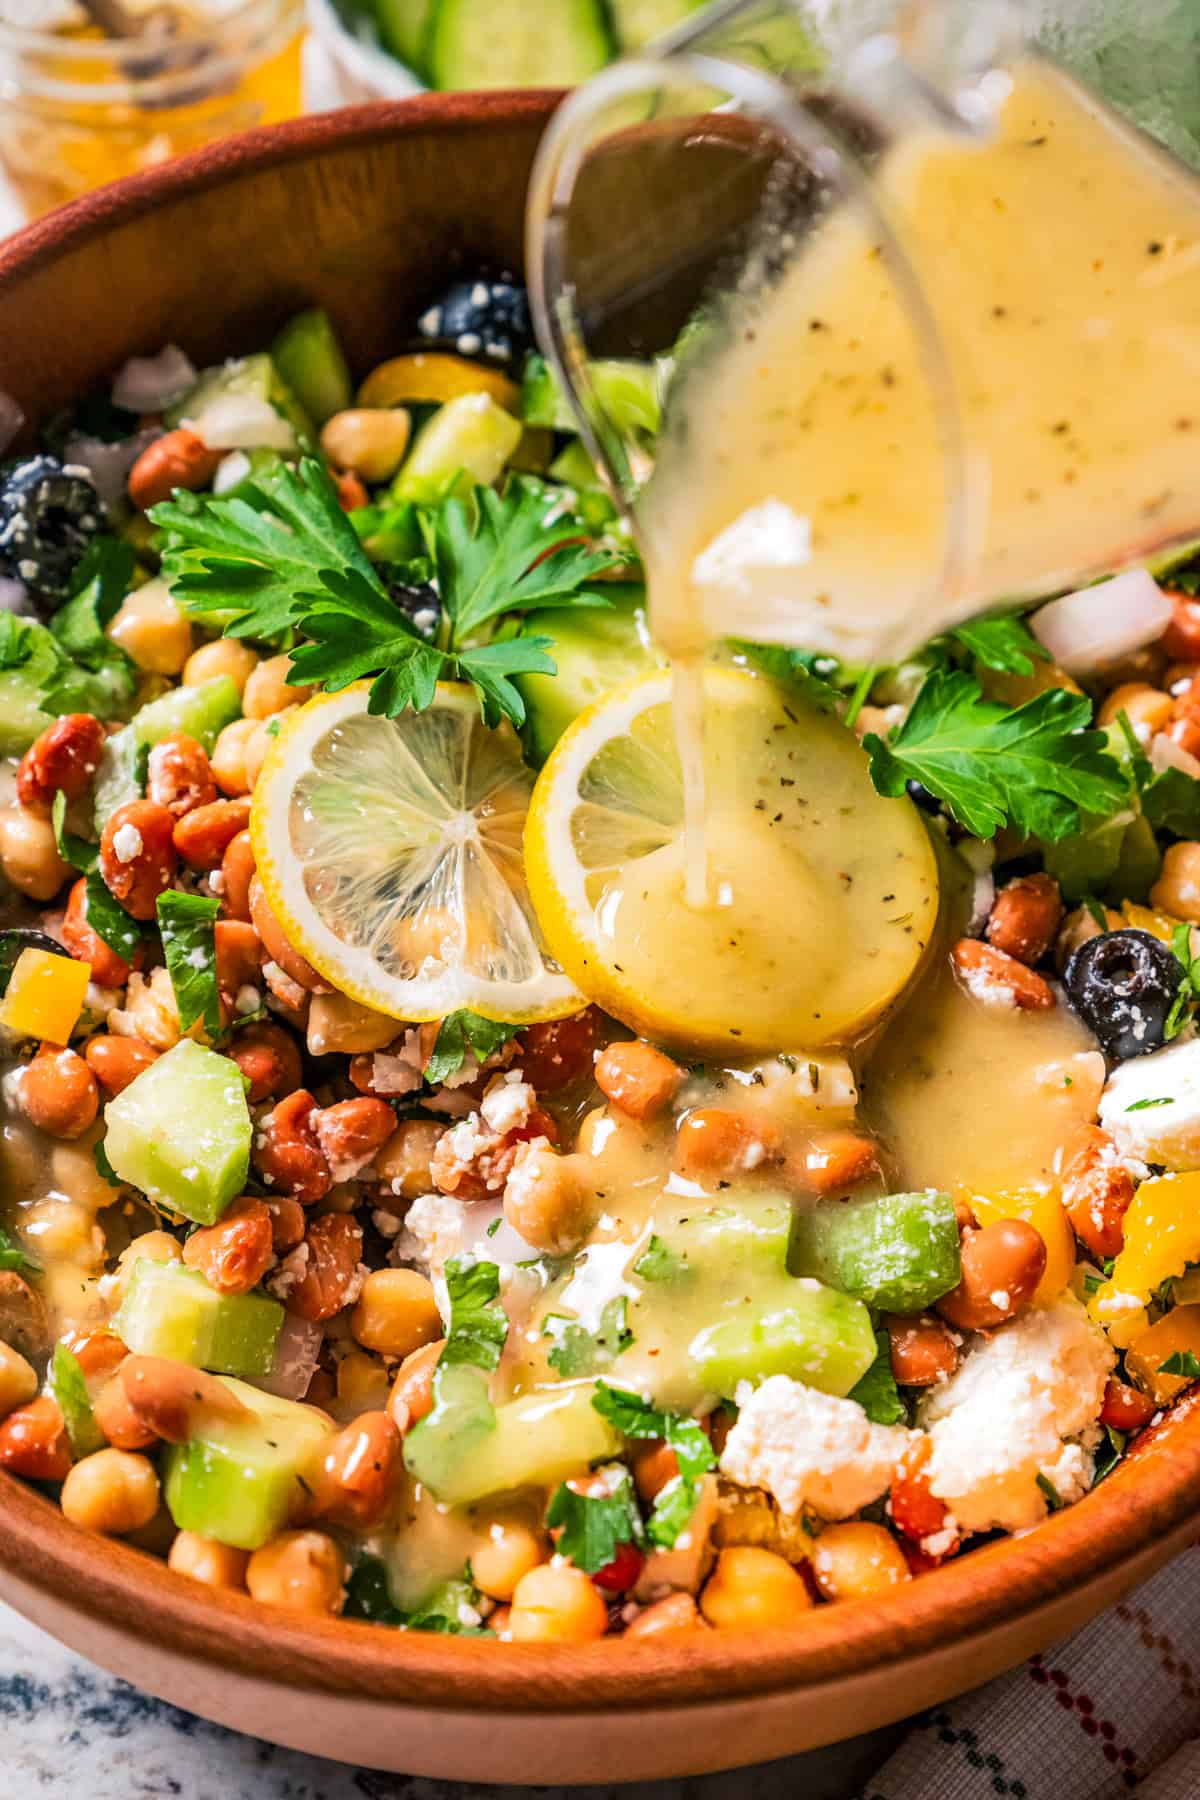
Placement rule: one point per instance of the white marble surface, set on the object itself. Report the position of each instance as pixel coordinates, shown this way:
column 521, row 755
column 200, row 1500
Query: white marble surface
column 69, row 1730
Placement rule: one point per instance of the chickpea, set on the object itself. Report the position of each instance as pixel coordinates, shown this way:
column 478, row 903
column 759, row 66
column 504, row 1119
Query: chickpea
column 923, row 1350
column 858, row 1561
column 301, row 1570
column 673, row 1613
column 362, row 1381
column 149, row 1013
column 228, row 758
column 58, row 1093
column 403, row 1163
column 18, row 1380
column 268, row 689
column 1079, row 927
column 396, row 1313
column 203, row 1559
column 151, row 629
column 370, row 442
column 751, row 1588
column 1147, row 709
column 1001, row 1267
column 73, row 1173
column 411, row 1397
column 156, row 1246
column 29, row 854
column 545, row 1200
column 269, row 1058
column 202, row 837
column 510, row 1548
column 1177, row 890
column 557, row 1604
column 113, row 1491
column 339, row 1025
column 63, row 1231
column 227, row 656
column 257, row 745
column 638, row 1079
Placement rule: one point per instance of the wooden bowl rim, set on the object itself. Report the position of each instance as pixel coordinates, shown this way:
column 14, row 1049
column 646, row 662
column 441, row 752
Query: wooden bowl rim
column 1152, row 1493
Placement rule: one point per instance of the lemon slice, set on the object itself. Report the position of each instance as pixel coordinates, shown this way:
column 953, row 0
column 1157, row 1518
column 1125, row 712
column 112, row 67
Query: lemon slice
column 390, row 851
column 822, row 895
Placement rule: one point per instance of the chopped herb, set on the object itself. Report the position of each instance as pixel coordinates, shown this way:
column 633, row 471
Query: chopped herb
column 1097, row 911
column 1037, row 765
column 594, row 1527
column 478, row 1322
column 808, row 674
column 1169, row 798
column 1109, row 1454
column 1092, row 1283
column 1053, row 1498
column 95, row 675
column 1004, row 643
column 1183, row 1362
column 495, row 1225
column 876, row 1391
column 110, row 920
column 17, row 640
column 1189, row 986
column 13, row 1257
column 1144, row 1105
column 578, row 1351
column 462, row 1034
column 368, row 1596
column 74, row 850
column 187, row 923
column 636, row 1418
column 658, row 1262
column 70, row 1390
column 103, row 1167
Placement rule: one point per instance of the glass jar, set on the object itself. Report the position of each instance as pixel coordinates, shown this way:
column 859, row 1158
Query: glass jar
column 78, row 108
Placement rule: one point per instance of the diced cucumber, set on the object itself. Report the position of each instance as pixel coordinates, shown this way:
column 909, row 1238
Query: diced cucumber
column 466, row 1450
column 404, row 29
column 171, row 1311
column 494, row 44
column 639, row 22
column 628, row 392
column 181, row 1132
column 798, row 1328
column 241, row 1482
column 201, row 712
column 898, row 1253
column 21, row 718
column 1088, row 860
column 575, row 468
column 119, row 774
column 594, row 649
column 465, row 444
column 752, row 1234
column 256, row 376
column 310, row 361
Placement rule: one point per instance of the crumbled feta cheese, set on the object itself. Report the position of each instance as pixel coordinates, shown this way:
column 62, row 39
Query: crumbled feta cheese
column 1163, row 1091
column 291, row 1270
column 127, row 842
column 433, row 1231
column 248, row 999
column 810, row 1449
column 598, row 1276
column 508, row 1102
column 1007, row 1414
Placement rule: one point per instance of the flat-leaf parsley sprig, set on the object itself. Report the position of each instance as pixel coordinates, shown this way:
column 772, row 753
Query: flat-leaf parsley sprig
column 282, row 556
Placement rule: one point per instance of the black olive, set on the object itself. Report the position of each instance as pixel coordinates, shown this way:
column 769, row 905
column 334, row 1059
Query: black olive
column 49, row 514
column 487, row 319
column 419, row 602
column 1123, row 985
column 18, row 938
column 920, row 796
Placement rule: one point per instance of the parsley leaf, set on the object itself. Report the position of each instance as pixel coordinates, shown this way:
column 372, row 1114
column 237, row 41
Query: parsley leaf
column 578, row 1351
column 17, row 640
column 368, row 1596
column 1189, row 986
column 462, row 1034
column 74, row 1402
column 1050, row 1493
column 478, row 1322
column 1036, row 764
column 594, row 1527
column 812, row 675
column 13, row 1257
column 1145, row 1105
column 507, row 559
column 1004, row 642
column 95, row 675
column 110, row 920
column 1109, row 1454
column 103, row 1167
column 187, row 923
column 1183, row 1362
column 1169, row 798
column 74, row 850
column 876, row 1391
column 658, row 1262
column 636, row 1418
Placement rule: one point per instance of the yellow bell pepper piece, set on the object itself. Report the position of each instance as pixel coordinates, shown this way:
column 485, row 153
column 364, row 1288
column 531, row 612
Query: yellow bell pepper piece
column 1162, row 1235
column 45, row 996
column 431, row 377
column 1147, row 918
column 1041, row 1208
column 1176, row 1334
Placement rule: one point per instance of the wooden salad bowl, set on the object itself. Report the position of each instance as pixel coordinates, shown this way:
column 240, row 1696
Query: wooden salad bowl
column 362, row 212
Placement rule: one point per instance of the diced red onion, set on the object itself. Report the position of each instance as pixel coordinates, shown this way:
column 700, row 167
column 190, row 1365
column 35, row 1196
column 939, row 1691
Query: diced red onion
column 243, row 422
column 231, row 470
column 149, row 384
column 11, row 420
column 296, row 1352
column 1098, row 625
column 14, row 596
column 487, row 1233
column 1165, row 753
column 108, row 465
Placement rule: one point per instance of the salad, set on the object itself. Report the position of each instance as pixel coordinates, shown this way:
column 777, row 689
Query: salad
column 389, row 1227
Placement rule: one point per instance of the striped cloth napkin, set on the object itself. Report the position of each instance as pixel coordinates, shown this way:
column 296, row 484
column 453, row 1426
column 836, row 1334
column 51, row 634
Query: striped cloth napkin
column 1115, row 1709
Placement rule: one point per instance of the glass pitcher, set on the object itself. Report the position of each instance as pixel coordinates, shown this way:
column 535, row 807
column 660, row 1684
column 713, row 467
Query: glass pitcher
column 925, row 309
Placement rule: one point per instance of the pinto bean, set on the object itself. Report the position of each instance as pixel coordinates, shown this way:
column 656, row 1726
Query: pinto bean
column 1097, row 1192
column 238, row 956
column 358, row 1474
column 287, row 1224
column 178, row 459
column 137, row 857
column 173, row 1400
column 202, row 836
column 58, row 1092
column 115, row 1415
column 63, row 757
column 86, row 945
column 330, row 1278
column 351, row 1132
column 179, row 776
column 287, row 1154
column 234, row 1254
column 116, row 1061
column 411, row 1397
column 559, row 1051
column 923, row 1350
column 638, row 1079
column 269, row 1058
column 839, row 1160
column 713, row 1141
column 1001, row 1267
column 237, row 872
column 1025, row 917
column 999, row 979
column 277, row 946
column 33, row 1442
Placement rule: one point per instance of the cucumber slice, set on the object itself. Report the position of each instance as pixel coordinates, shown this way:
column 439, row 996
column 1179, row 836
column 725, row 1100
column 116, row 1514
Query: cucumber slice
column 466, row 444
column 242, row 1483
column 466, row 1450
column 171, row 1311
column 594, row 650
column 494, row 44
column 310, row 362
column 639, row 22
column 21, row 718
column 801, row 1329
column 627, row 390
column 899, row 1253
column 254, row 375
column 404, row 28
column 181, row 1132
column 202, row 712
